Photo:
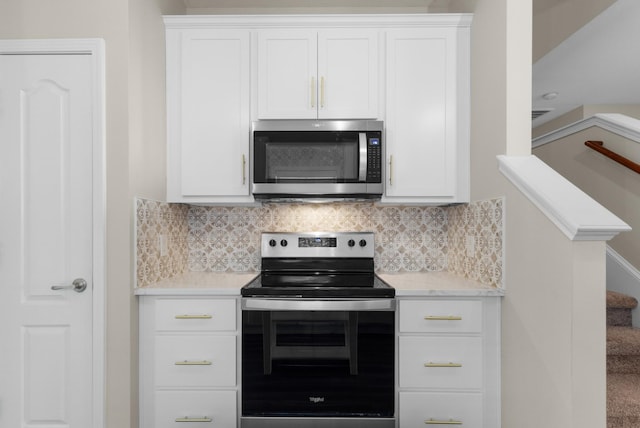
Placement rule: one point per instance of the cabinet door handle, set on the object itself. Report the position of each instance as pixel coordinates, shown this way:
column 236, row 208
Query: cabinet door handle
column 313, row 92
column 194, row 317
column 442, row 422
column 390, row 170
column 188, row 419
column 432, row 364
column 193, row 363
column 322, row 92
column 244, row 170
column 443, row 318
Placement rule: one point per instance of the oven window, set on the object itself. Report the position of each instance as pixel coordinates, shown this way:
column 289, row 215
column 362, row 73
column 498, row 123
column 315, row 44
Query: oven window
column 315, row 157
column 325, row 363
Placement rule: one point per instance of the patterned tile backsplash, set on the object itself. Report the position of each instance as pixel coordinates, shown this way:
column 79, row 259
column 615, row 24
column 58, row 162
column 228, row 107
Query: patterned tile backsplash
column 463, row 239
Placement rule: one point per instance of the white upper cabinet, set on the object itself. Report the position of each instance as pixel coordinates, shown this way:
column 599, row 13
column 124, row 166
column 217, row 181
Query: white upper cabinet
column 427, row 115
column 208, row 120
column 326, row 74
column 410, row 71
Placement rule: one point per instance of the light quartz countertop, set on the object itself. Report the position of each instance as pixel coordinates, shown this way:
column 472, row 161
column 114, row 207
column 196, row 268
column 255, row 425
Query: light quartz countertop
column 189, row 283
column 437, row 284
column 407, row 284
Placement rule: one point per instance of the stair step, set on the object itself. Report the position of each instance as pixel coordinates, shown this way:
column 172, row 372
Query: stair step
column 623, row 401
column 619, row 307
column 623, row 350
column 620, row 300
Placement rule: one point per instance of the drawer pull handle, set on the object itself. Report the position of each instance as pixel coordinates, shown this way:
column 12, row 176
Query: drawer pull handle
column 442, row 422
column 194, row 317
column 193, row 363
column 431, row 364
column 188, row 419
column 443, row 318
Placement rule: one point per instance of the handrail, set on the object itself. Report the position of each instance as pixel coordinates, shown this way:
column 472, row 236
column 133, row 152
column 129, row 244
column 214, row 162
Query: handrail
column 599, row 147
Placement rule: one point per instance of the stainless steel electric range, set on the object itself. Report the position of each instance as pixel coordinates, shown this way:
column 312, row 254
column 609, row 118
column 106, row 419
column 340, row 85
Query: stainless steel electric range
column 318, row 329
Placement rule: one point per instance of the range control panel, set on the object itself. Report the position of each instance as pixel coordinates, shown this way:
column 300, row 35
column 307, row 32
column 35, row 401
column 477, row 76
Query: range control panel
column 318, row 244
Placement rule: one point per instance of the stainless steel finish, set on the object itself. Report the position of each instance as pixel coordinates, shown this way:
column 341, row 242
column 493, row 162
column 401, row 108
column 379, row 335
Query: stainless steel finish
column 317, row 125
column 362, row 172
column 259, row 304
column 317, row 423
column 342, row 248
column 78, row 285
column 308, row 190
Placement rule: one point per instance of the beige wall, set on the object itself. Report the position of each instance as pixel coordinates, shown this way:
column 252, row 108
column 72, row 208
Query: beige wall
column 543, row 323
column 611, row 184
column 107, row 19
column 585, row 112
column 553, row 361
column 555, row 20
column 135, row 134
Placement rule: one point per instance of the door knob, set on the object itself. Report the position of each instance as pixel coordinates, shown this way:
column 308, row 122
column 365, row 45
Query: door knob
column 78, row 285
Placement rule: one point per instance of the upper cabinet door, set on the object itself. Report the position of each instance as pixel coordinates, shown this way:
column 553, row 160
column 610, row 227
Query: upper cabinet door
column 427, row 120
column 287, row 74
column 348, row 74
column 208, row 98
column 328, row 74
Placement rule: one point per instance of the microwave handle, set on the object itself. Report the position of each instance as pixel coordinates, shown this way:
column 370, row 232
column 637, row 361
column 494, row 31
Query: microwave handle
column 362, row 173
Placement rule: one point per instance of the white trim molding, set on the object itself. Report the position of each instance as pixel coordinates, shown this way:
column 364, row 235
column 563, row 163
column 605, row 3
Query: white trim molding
column 574, row 212
column 95, row 48
column 624, row 278
column 618, row 124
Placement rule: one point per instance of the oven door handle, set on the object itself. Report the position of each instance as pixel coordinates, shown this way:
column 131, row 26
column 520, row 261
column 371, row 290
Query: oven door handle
column 257, row 304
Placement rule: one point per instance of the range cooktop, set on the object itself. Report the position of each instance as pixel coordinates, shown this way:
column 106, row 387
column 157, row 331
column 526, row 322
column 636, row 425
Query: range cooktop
column 318, row 265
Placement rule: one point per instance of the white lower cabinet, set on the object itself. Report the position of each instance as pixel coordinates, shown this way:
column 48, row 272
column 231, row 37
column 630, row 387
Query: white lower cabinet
column 438, row 409
column 188, row 362
column 449, row 362
column 195, row 409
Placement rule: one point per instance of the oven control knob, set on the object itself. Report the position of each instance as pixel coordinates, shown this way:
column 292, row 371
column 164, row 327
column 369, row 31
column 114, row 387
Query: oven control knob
column 272, row 242
column 284, row 243
column 351, row 243
column 363, row 243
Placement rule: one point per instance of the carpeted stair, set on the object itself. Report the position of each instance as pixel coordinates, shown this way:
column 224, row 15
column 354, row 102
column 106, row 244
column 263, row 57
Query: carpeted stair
column 623, row 363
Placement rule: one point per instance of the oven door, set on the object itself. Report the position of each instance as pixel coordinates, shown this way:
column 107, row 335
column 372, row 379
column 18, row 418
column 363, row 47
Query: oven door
column 309, row 359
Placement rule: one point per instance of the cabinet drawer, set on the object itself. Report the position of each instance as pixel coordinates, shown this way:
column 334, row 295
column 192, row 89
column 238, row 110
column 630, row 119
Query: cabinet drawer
column 190, row 360
column 440, row 362
column 195, row 409
column 435, row 316
column 424, row 409
column 195, row 314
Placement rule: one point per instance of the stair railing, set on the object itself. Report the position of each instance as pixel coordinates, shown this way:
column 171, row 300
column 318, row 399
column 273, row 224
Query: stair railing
column 598, row 146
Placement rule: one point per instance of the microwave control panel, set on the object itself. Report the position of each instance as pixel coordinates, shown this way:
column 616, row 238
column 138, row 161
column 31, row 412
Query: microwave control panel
column 374, row 157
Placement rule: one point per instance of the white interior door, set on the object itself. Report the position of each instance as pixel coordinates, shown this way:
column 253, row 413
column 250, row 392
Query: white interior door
column 46, row 241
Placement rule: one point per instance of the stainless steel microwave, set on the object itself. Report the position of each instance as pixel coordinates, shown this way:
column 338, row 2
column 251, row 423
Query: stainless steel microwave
column 317, row 159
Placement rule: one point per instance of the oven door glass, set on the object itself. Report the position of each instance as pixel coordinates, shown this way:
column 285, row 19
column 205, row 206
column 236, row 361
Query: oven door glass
column 306, row 156
column 318, row 363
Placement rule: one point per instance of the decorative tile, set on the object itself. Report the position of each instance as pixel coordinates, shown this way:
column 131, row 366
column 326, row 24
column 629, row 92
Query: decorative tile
column 154, row 219
column 464, row 239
